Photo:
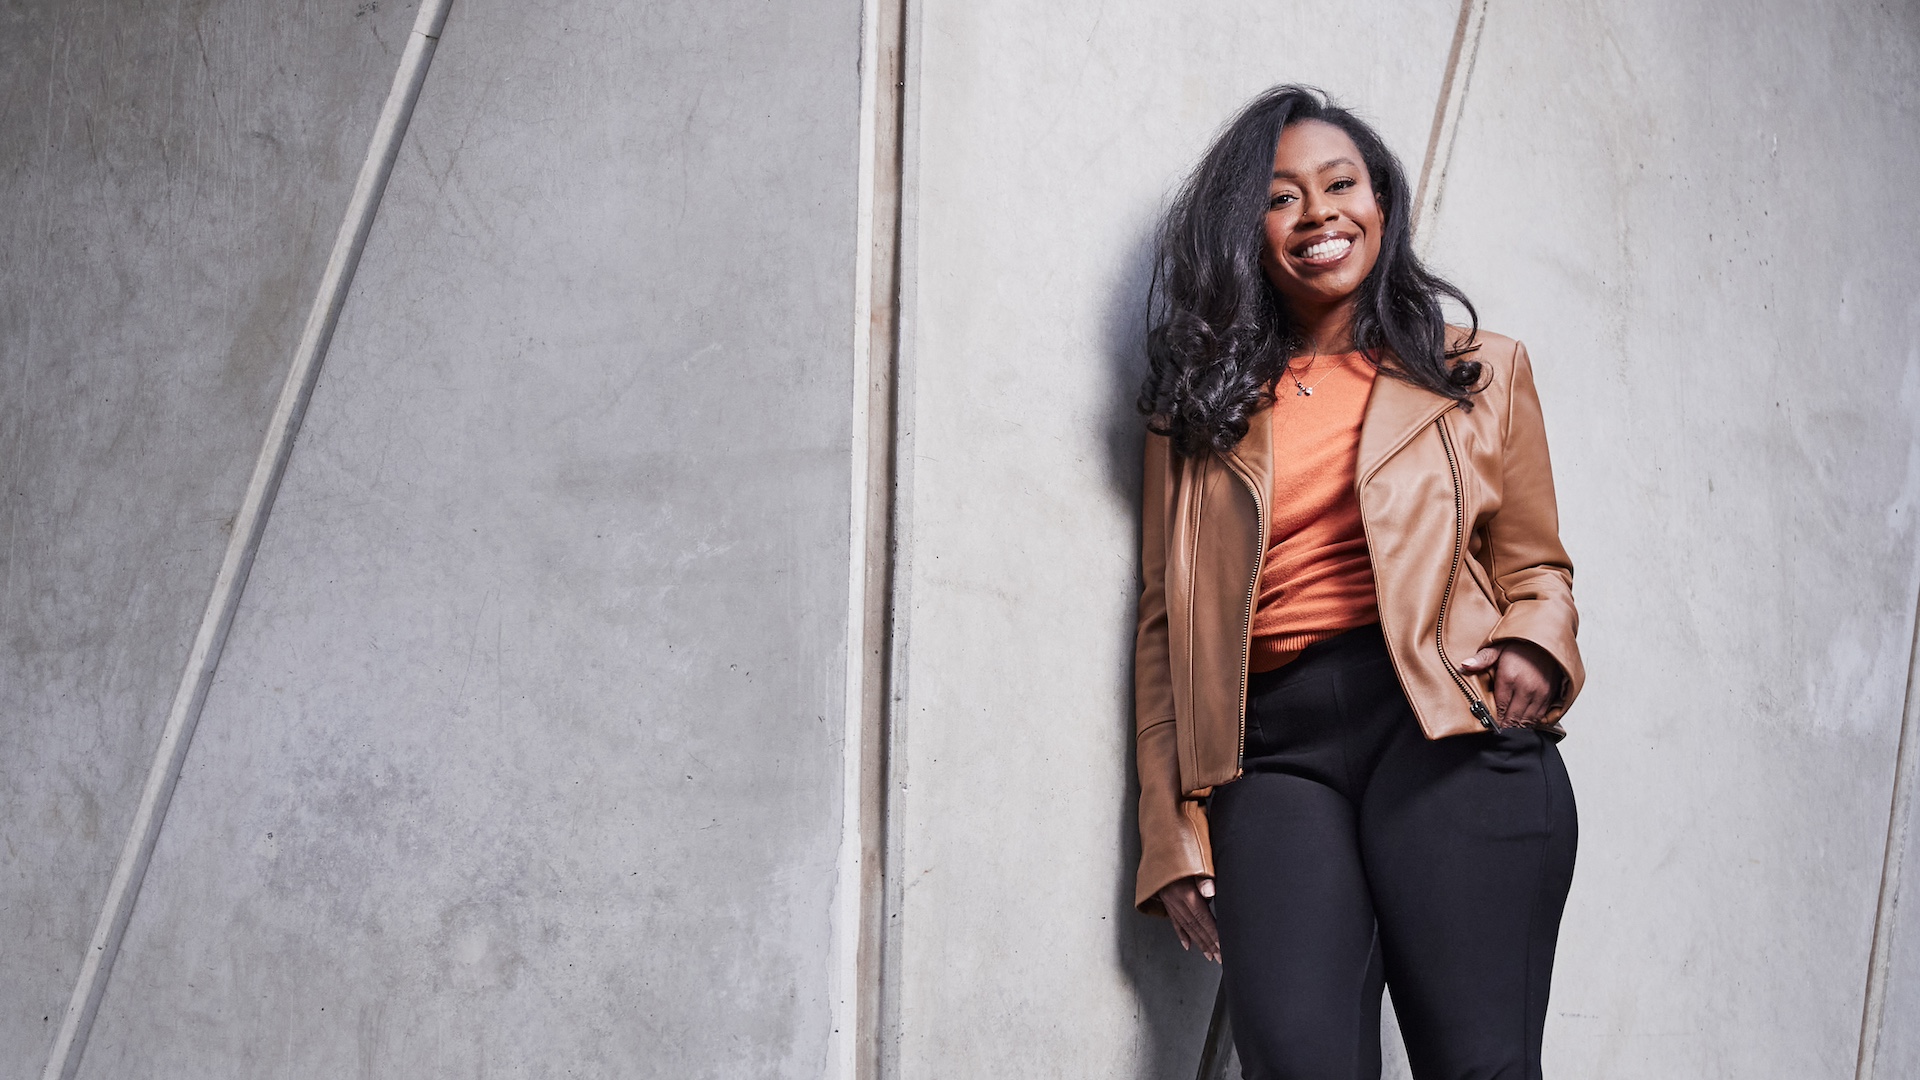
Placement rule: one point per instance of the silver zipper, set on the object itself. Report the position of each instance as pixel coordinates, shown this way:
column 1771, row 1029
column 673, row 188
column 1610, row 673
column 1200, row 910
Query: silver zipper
column 1474, row 704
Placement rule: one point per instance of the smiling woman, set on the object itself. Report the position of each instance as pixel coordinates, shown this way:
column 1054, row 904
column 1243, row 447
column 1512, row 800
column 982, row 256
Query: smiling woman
column 1356, row 627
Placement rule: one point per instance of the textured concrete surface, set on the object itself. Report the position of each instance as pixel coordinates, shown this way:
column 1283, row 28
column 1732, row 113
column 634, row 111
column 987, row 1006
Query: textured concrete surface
column 1046, row 142
column 1715, row 280
column 525, row 754
column 1687, row 216
column 171, row 175
column 523, row 758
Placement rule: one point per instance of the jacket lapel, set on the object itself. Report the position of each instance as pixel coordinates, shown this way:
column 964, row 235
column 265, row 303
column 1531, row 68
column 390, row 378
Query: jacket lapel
column 1253, row 458
column 1396, row 411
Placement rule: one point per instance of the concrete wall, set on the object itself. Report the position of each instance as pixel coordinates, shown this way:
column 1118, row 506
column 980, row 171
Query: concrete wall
column 526, row 754
column 173, row 174
column 1687, row 214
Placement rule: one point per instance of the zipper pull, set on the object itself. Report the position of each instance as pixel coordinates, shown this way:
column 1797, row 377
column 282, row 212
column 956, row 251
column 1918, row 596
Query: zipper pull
column 1485, row 717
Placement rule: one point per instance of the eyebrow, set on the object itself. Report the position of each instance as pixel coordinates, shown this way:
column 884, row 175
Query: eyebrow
column 1279, row 174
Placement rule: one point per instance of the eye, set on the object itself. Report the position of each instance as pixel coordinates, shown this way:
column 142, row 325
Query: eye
column 1279, row 199
column 1341, row 184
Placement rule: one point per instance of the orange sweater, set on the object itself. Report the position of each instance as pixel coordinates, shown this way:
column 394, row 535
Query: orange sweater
column 1317, row 579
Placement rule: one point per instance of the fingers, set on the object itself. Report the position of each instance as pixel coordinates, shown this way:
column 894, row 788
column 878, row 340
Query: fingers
column 1208, row 933
column 1209, row 937
column 1196, row 929
column 1520, row 692
column 1193, row 923
column 1525, row 684
column 1535, row 708
column 1177, row 916
column 1522, row 708
column 1178, row 899
column 1482, row 660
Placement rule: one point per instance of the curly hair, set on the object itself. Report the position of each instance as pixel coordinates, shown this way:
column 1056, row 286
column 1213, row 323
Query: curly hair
column 1218, row 335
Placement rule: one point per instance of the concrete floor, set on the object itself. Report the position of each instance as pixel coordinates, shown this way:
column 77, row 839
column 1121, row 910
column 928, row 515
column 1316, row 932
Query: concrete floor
column 533, row 748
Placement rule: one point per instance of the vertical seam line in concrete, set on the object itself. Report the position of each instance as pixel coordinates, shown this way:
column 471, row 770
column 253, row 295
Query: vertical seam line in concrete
column 1461, row 56
column 276, row 449
column 861, row 889
column 890, row 759
column 1899, row 822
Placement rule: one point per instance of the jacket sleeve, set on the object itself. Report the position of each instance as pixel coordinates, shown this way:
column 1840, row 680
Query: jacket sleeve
column 1173, row 828
column 1529, row 567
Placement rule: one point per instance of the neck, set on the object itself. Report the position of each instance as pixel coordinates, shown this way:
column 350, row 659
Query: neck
column 1328, row 330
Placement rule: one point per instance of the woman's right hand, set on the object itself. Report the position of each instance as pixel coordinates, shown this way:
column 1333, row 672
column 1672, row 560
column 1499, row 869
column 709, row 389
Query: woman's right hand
column 1186, row 904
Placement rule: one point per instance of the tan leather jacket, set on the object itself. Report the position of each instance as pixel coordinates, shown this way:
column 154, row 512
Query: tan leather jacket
column 1463, row 531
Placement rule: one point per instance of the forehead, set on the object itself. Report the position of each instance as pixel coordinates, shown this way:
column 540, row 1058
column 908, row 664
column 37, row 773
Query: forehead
column 1307, row 147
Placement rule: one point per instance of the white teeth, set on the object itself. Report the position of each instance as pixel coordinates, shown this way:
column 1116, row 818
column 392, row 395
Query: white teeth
column 1327, row 249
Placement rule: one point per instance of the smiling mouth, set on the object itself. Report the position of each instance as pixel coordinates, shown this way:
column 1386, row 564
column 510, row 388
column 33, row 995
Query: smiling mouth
column 1321, row 252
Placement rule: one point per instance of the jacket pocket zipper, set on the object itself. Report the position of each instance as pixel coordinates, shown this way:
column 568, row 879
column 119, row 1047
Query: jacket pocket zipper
column 1474, row 704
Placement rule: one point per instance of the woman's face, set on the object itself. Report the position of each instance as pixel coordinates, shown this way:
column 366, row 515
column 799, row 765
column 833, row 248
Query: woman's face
column 1323, row 222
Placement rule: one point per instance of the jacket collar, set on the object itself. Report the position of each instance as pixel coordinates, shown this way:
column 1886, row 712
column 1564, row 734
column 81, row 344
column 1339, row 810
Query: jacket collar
column 1396, row 411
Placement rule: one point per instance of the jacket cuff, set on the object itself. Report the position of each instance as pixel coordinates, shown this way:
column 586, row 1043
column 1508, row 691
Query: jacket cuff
column 1545, row 623
column 1173, row 847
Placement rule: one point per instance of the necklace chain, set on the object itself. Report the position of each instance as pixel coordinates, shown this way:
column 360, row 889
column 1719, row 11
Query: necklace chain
column 1303, row 390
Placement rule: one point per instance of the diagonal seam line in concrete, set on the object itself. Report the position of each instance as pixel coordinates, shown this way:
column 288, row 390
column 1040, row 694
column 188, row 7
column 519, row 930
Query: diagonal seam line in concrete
column 1899, row 822
column 76, row 1025
column 1446, row 118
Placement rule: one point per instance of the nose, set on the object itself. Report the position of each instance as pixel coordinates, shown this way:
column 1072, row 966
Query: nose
column 1316, row 209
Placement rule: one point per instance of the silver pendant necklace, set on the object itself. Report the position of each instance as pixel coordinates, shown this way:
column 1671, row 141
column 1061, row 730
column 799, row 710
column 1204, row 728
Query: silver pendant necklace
column 1301, row 389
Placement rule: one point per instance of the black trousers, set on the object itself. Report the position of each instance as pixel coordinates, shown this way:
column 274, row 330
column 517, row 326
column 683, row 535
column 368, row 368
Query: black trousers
column 1355, row 853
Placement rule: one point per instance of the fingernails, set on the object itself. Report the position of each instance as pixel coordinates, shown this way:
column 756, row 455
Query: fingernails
column 1206, row 889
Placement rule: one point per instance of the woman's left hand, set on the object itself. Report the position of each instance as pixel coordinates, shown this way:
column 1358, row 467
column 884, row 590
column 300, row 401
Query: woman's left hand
column 1525, row 680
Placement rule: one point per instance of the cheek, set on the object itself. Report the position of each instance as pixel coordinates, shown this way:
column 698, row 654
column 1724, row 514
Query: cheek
column 1375, row 231
column 1373, row 249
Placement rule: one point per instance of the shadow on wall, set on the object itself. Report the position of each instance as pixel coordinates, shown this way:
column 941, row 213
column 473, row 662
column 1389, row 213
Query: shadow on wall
column 1175, row 989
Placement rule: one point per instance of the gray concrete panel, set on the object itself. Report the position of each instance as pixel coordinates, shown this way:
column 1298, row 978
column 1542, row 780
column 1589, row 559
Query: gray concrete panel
column 172, row 175
column 1689, row 213
column 524, row 757
column 1044, row 142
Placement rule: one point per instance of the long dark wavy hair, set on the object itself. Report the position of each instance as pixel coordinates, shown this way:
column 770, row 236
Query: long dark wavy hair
column 1219, row 337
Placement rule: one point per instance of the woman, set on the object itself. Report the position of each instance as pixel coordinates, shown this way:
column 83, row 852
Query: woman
column 1356, row 631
